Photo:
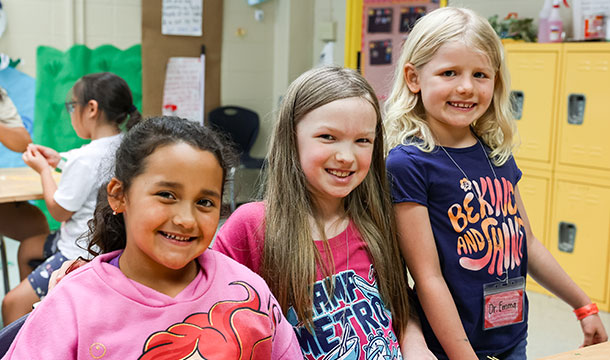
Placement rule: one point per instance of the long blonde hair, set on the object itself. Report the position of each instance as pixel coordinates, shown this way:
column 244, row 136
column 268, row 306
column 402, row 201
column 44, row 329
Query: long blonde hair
column 405, row 116
column 290, row 257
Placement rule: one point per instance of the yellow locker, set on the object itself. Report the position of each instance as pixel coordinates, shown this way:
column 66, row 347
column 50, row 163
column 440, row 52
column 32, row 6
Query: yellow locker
column 584, row 119
column 535, row 189
column 580, row 232
column 534, row 71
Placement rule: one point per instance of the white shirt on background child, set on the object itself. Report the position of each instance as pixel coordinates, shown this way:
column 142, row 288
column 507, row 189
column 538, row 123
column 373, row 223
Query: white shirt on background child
column 85, row 170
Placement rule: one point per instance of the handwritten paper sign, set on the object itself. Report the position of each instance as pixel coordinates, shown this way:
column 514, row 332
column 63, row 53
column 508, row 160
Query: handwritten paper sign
column 182, row 17
column 183, row 91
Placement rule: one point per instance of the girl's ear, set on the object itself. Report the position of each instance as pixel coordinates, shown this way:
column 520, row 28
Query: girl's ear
column 412, row 78
column 92, row 109
column 116, row 195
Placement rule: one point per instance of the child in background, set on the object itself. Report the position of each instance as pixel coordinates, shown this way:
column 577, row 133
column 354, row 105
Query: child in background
column 99, row 104
column 322, row 238
column 155, row 291
column 462, row 225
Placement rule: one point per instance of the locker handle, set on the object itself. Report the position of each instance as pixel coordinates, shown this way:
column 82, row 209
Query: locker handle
column 516, row 102
column 576, row 108
column 567, row 237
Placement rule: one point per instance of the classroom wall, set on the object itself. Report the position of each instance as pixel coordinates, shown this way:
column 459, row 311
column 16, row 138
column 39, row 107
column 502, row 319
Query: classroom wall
column 258, row 63
column 62, row 23
column 261, row 58
column 329, row 11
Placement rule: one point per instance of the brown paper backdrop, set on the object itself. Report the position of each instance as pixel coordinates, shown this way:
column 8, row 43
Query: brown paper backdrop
column 158, row 48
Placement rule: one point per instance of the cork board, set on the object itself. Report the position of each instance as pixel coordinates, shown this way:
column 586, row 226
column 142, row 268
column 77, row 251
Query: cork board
column 158, row 48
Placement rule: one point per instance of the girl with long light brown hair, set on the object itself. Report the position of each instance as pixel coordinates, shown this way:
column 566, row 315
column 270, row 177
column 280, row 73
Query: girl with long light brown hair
column 323, row 238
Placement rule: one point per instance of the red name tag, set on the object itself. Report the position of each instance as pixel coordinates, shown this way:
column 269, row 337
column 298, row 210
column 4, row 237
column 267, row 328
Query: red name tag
column 503, row 304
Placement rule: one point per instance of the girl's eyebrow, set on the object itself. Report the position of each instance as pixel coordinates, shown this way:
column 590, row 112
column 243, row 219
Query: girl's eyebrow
column 178, row 186
column 169, row 184
column 449, row 66
column 211, row 193
column 331, row 128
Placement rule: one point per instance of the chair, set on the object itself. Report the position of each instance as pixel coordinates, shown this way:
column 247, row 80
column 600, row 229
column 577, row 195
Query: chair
column 8, row 333
column 241, row 126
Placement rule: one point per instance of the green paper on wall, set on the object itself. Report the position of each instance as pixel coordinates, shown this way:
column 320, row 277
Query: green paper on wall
column 56, row 73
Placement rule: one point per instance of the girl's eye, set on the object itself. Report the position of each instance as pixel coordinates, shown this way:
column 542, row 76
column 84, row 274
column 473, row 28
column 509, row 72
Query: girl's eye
column 326, row 137
column 166, row 195
column 480, row 75
column 449, row 73
column 205, row 203
column 365, row 141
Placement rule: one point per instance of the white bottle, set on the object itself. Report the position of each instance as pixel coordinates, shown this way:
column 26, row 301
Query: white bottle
column 543, row 21
column 555, row 23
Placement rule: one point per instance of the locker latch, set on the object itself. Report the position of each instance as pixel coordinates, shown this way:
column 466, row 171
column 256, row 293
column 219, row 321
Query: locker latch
column 567, row 236
column 516, row 101
column 576, row 108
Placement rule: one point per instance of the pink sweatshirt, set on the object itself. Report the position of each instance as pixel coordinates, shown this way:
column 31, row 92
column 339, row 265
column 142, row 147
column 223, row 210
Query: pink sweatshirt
column 96, row 312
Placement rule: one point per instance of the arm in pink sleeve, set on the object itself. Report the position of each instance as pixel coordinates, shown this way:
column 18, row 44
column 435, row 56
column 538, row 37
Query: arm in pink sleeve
column 241, row 236
column 50, row 332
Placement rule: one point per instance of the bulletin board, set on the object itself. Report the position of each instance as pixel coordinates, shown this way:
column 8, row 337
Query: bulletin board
column 385, row 26
column 158, row 48
column 376, row 30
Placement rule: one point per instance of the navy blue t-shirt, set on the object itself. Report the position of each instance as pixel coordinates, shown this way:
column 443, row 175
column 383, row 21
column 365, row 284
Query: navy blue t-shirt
column 464, row 218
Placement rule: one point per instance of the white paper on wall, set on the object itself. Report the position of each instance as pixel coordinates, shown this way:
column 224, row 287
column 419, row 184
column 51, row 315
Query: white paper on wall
column 327, row 54
column 182, row 17
column 183, row 89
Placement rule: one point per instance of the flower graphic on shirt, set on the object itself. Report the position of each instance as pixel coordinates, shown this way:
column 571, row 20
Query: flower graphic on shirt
column 465, row 184
column 232, row 329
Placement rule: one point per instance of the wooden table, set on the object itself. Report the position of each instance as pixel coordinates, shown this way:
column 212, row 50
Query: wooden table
column 18, row 184
column 594, row 352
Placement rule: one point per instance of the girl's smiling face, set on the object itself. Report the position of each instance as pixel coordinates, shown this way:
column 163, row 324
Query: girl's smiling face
column 335, row 146
column 456, row 87
column 172, row 208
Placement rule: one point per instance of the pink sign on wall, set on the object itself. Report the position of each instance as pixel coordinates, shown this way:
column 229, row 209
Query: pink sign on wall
column 385, row 26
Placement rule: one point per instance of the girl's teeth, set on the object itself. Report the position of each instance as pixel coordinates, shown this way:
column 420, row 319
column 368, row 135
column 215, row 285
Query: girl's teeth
column 178, row 238
column 461, row 105
column 339, row 173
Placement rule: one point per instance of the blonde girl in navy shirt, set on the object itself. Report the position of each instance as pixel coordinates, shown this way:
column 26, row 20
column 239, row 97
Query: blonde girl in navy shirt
column 462, row 225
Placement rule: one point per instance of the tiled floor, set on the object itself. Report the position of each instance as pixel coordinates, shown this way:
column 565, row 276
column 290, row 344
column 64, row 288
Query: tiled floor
column 552, row 327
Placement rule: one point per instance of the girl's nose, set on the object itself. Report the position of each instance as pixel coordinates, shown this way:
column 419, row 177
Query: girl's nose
column 184, row 218
column 465, row 86
column 345, row 154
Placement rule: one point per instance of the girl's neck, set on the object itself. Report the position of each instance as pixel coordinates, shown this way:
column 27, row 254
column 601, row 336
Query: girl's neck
column 103, row 129
column 331, row 217
column 149, row 273
column 454, row 139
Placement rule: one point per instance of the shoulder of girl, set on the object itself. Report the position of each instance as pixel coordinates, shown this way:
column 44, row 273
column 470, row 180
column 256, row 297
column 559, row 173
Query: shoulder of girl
column 402, row 152
column 249, row 212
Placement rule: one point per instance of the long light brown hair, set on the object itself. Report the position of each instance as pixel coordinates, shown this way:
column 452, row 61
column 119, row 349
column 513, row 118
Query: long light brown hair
column 290, row 256
column 405, row 115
